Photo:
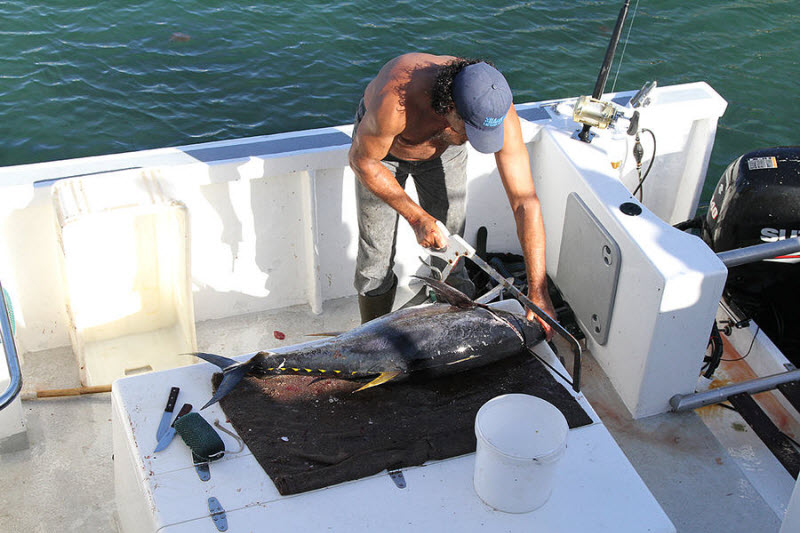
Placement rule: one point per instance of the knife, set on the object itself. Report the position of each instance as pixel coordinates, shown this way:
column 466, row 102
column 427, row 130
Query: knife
column 165, row 439
column 165, row 418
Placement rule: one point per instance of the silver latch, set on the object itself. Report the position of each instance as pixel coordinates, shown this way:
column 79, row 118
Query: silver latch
column 217, row 514
column 203, row 471
column 397, row 477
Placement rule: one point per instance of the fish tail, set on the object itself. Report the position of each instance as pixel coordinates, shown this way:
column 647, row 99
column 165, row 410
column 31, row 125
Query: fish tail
column 218, row 360
column 232, row 373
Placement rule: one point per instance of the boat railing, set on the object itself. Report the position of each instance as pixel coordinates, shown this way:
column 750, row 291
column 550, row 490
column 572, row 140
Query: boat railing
column 733, row 258
column 10, row 350
column 758, row 252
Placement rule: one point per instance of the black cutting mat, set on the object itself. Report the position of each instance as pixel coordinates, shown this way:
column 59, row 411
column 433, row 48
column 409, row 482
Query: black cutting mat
column 311, row 435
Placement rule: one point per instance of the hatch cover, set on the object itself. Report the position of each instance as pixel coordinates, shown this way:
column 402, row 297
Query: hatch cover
column 588, row 268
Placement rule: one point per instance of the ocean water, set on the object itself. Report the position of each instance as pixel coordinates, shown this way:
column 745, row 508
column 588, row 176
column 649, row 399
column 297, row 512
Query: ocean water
column 81, row 78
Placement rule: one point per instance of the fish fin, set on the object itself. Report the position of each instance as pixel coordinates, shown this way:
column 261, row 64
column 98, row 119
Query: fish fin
column 473, row 356
column 218, row 360
column 380, row 380
column 232, row 373
column 449, row 294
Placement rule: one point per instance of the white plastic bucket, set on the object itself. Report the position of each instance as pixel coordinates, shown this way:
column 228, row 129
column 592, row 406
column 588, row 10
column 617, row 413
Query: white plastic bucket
column 520, row 441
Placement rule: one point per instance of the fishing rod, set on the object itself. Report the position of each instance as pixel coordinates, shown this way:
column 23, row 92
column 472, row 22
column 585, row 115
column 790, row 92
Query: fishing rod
column 591, row 111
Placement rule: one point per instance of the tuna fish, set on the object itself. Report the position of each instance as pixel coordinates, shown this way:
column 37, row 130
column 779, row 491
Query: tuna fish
column 431, row 340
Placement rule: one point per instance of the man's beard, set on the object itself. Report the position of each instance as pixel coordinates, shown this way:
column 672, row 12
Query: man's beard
column 451, row 137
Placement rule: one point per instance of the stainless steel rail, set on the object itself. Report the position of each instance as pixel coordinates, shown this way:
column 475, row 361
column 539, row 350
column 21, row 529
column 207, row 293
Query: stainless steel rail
column 11, row 355
column 757, row 252
column 685, row 402
column 733, row 258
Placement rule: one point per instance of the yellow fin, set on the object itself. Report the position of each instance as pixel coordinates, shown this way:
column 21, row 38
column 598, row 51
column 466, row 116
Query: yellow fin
column 380, row 380
column 462, row 360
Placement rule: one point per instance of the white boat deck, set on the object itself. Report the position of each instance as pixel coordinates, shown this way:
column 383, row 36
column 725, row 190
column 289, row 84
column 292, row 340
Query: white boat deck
column 272, row 227
column 65, row 478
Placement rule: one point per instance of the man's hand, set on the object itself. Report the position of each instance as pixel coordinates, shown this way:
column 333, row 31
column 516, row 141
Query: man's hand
column 542, row 300
column 428, row 233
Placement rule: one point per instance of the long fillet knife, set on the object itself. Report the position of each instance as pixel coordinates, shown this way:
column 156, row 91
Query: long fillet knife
column 167, row 416
column 457, row 248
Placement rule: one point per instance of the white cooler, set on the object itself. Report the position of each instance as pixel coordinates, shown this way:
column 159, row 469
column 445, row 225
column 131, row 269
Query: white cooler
column 596, row 488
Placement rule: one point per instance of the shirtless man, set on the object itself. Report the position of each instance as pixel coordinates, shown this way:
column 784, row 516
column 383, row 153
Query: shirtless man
column 415, row 118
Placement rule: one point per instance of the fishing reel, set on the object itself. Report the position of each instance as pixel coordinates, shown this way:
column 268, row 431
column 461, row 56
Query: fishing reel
column 595, row 113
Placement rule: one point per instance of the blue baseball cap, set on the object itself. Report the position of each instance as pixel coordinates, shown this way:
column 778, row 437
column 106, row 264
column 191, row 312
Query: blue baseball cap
column 482, row 97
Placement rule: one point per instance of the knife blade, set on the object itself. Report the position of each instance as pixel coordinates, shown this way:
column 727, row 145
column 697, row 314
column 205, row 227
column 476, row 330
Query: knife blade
column 165, row 439
column 165, row 418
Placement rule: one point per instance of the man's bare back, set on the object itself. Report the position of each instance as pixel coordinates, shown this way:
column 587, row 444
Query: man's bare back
column 416, row 108
column 401, row 94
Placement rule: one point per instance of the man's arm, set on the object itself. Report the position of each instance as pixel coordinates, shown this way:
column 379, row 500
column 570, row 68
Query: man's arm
column 515, row 172
column 371, row 143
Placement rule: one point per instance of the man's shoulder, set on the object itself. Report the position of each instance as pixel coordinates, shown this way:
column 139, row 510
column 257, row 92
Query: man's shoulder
column 413, row 60
column 408, row 77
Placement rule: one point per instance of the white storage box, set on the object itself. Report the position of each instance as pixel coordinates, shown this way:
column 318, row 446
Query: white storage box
column 162, row 492
column 127, row 276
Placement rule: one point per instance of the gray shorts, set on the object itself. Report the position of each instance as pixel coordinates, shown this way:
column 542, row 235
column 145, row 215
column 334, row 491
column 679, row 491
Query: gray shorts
column 441, row 188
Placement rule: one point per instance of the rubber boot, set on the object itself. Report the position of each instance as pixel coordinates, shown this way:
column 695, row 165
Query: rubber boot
column 371, row 307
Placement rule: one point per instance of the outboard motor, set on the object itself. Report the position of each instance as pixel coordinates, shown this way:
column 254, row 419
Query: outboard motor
column 757, row 200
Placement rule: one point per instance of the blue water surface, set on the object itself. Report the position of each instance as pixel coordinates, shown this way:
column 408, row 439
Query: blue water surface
column 81, row 78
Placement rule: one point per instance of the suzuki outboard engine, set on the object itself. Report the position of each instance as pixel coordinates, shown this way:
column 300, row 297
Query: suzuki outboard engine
column 757, row 200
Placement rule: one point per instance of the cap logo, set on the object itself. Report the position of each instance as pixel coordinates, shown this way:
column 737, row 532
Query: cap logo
column 492, row 122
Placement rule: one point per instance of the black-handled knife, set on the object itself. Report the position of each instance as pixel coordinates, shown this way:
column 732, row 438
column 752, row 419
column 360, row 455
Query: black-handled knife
column 166, row 438
column 167, row 416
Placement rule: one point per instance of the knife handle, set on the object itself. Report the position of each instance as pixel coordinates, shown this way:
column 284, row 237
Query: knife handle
column 173, row 397
column 187, row 407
